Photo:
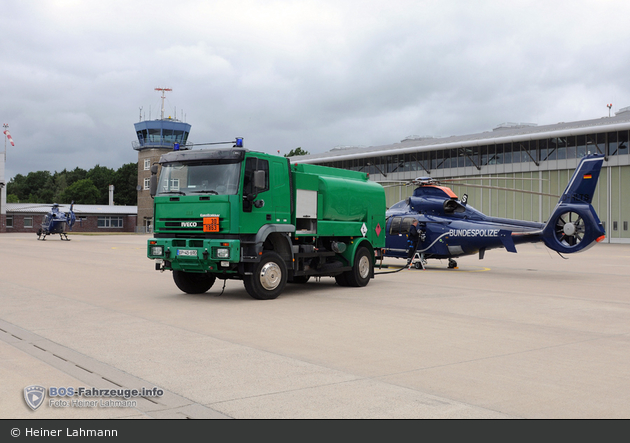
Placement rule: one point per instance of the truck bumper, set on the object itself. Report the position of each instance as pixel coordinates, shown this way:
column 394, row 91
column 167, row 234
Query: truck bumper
column 195, row 255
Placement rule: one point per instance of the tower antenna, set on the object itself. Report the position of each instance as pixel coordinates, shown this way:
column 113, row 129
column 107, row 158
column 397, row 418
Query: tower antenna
column 163, row 97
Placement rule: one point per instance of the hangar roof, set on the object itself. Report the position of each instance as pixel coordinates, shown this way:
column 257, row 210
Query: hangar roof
column 504, row 133
column 43, row 208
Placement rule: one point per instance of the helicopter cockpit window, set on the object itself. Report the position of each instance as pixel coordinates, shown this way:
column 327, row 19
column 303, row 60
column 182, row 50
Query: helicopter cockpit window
column 394, row 228
column 406, row 224
column 400, row 225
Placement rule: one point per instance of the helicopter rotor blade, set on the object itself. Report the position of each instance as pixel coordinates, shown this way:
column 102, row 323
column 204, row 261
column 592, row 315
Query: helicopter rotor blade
column 490, row 178
column 508, row 189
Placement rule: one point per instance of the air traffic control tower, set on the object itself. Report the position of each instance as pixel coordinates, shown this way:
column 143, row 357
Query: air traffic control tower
column 155, row 137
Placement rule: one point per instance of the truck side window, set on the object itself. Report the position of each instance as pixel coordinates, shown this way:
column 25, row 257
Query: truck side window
column 254, row 164
column 394, row 228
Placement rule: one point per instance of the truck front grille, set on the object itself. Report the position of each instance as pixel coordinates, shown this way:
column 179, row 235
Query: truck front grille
column 182, row 224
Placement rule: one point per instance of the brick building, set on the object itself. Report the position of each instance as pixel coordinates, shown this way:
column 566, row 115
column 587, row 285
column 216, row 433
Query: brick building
column 27, row 217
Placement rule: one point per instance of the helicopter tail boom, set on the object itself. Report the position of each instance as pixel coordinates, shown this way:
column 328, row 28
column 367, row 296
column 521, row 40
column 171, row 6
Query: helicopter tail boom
column 574, row 225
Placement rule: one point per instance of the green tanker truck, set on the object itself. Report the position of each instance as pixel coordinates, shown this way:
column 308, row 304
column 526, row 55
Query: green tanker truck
column 232, row 213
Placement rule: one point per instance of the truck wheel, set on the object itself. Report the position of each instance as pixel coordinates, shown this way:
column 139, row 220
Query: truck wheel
column 341, row 279
column 193, row 283
column 268, row 278
column 362, row 269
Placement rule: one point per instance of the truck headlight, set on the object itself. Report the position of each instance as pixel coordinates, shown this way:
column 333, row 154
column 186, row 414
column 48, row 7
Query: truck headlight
column 223, row 253
column 157, row 250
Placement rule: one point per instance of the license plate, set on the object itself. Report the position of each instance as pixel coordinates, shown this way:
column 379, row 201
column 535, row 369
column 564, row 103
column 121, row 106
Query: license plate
column 187, row 252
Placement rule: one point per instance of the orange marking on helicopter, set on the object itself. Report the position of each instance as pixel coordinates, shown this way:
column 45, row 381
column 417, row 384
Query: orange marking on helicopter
column 447, row 191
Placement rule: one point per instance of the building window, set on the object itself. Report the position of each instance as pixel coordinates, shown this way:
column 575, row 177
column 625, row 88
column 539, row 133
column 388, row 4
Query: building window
column 147, row 164
column 625, row 226
column 110, row 222
column 614, row 226
column 9, row 221
column 147, row 184
column 28, row 222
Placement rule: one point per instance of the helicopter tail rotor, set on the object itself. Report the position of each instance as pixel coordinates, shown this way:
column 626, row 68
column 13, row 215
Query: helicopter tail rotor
column 570, row 229
column 574, row 225
column 71, row 217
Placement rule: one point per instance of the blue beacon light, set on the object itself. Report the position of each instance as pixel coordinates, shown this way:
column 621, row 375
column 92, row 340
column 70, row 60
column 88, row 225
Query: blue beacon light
column 239, row 142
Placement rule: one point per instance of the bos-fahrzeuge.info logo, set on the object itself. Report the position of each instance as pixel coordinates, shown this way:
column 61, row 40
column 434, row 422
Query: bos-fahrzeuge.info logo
column 82, row 397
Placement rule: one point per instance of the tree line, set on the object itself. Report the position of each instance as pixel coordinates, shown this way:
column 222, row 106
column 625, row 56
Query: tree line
column 81, row 186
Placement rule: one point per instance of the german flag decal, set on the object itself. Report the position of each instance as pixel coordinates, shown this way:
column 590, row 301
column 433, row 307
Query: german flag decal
column 587, row 176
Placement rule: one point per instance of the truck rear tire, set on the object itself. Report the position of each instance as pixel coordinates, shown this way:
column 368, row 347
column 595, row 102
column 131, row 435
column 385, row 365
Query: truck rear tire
column 192, row 282
column 362, row 270
column 268, row 279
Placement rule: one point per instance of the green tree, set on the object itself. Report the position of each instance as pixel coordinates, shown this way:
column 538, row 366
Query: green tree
column 82, row 192
column 101, row 177
column 297, row 151
column 36, row 186
column 125, row 182
column 44, row 187
column 75, row 175
column 16, row 187
column 60, row 183
column 32, row 188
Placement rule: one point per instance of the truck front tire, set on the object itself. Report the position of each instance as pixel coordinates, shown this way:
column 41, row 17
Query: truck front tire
column 268, row 278
column 193, row 283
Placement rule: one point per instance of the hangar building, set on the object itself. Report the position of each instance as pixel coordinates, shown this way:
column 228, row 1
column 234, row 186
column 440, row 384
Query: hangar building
column 545, row 156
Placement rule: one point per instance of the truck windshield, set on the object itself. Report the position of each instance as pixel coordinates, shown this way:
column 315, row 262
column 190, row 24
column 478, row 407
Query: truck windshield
column 217, row 178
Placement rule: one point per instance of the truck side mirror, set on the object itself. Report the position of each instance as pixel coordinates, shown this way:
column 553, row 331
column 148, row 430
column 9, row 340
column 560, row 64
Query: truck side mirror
column 153, row 182
column 259, row 179
column 153, row 186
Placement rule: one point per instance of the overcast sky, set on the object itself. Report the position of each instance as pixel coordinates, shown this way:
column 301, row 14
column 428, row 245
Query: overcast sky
column 283, row 74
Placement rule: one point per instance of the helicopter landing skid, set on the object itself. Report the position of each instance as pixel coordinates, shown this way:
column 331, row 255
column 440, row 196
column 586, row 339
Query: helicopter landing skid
column 62, row 236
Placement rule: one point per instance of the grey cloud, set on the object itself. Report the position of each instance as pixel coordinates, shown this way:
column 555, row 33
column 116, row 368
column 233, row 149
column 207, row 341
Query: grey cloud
column 287, row 74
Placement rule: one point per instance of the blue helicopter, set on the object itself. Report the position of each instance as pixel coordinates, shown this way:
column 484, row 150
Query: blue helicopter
column 449, row 228
column 55, row 221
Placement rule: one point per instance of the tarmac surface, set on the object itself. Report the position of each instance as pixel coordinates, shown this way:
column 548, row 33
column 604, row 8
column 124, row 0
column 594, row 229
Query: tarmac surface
column 527, row 335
